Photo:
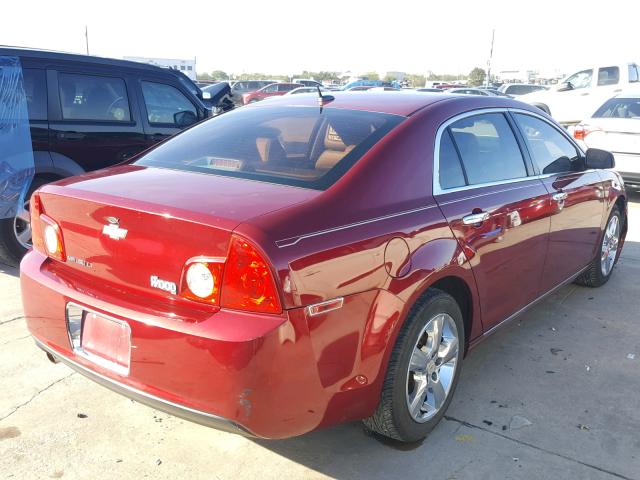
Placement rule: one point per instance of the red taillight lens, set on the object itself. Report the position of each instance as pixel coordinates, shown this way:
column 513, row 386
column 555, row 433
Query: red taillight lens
column 51, row 238
column 581, row 131
column 248, row 283
column 201, row 279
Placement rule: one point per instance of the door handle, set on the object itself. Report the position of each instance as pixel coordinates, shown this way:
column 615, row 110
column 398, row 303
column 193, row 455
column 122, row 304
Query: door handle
column 584, row 94
column 70, row 135
column 475, row 218
column 559, row 197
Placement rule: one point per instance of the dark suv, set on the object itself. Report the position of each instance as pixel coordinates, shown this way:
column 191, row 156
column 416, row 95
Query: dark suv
column 87, row 113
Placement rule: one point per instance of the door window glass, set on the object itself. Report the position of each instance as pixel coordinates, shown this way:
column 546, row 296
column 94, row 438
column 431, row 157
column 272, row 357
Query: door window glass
column 35, row 89
column 163, row 102
column 91, row 97
column 633, row 73
column 581, row 79
column 608, row 76
column 450, row 170
column 552, row 152
column 488, row 149
column 271, row 88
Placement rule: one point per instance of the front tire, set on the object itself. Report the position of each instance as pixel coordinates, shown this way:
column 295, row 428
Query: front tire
column 423, row 370
column 600, row 270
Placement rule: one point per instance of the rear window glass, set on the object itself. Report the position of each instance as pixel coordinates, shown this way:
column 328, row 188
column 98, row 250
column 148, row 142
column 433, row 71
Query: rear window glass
column 619, row 108
column 302, row 146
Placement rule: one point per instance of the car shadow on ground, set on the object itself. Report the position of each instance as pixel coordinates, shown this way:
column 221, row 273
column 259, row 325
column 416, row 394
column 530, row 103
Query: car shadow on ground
column 9, row 270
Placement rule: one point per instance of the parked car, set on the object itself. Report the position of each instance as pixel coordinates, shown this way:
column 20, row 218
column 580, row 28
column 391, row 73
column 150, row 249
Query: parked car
column 87, row 113
column 472, row 91
column 615, row 126
column 430, row 90
column 272, row 90
column 307, row 82
column 370, row 83
column 298, row 90
column 239, row 88
column 272, row 270
column 517, row 89
column 359, row 88
column 580, row 94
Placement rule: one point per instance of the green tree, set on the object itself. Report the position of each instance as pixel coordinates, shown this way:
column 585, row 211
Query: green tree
column 477, row 76
column 219, row 75
column 415, row 80
column 389, row 78
column 371, row 76
column 203, row 76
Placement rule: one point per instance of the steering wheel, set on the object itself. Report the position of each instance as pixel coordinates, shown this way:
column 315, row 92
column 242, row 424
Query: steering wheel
column 113, row 111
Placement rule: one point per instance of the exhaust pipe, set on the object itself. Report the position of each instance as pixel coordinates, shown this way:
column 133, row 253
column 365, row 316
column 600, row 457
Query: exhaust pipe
column 52, row 359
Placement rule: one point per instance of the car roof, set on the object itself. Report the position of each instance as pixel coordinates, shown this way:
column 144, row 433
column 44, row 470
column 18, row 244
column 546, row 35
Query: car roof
column 395, row 103
column 74, row 57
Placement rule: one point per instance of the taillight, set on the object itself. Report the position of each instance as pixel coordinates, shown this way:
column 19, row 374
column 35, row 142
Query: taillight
column 581, row 131
column 52, row 238
column 242, row 281
column 247, row 283
column 202, row 278
column 35, row 210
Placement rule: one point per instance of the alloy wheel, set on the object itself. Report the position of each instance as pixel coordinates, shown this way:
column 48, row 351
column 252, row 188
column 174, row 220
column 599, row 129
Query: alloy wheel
column 22, row 226
column 610, row 245
column 432, row 367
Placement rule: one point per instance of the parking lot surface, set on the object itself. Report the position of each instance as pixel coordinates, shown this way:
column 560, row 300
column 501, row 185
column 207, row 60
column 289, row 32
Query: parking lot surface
column 553, row 395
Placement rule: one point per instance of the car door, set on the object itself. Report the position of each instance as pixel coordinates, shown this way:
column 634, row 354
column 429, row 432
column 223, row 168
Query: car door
column 91, row 121
column 570, row 98
column 164, row 107
column 496, row 209
column 577, row 198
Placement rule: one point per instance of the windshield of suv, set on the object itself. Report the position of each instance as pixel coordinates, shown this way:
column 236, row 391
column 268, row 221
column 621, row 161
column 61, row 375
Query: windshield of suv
column 301, row 146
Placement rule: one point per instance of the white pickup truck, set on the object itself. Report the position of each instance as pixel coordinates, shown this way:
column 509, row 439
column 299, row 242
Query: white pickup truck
column 581, row 93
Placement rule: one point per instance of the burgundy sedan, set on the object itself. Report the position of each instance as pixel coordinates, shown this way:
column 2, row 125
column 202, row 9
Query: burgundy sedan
column 290, row 265
column 273, row 90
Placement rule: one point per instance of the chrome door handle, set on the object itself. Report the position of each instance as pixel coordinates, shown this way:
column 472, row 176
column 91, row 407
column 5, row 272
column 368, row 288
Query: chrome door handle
column 560, row 196
column 475, row 218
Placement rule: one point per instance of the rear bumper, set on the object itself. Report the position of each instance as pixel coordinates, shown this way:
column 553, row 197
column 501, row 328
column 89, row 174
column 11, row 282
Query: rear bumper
column 269, row 376
column 196, row 416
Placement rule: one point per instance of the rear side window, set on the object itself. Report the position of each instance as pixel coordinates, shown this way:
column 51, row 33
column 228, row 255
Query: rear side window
column 35, row 89
column 552, row 152
column 634, row 76
column 619, row 108
column 608, row 76
column 450, row 170
column 163, row 102
column 92, row 97
column 302, row 146
column 488, row 149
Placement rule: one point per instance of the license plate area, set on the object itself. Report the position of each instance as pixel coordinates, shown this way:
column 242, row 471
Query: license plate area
column 101, row 339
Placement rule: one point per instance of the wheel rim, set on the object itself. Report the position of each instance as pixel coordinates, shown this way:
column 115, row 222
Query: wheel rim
column 22, row 226
column 610, row 245
column 432, row 367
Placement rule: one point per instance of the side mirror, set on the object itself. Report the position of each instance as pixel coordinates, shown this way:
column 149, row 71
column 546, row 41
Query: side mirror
column 565, row 87
column 184, row 119
column 599, row 159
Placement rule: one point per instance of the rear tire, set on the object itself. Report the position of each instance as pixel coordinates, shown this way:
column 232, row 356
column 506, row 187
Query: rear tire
column 415, row 396
column 600, row 270
column 11, row 248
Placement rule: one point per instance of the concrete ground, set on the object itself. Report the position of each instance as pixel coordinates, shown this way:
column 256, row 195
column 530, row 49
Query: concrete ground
column 570, row 367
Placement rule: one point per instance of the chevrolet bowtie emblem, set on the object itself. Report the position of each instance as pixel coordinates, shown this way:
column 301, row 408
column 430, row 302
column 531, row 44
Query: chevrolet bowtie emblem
column 114, row 231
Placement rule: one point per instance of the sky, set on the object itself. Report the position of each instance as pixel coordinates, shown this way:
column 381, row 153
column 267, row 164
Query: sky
column 286, row 37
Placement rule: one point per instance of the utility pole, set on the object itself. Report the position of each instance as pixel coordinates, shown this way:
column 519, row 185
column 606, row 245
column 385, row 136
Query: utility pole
column 86, row 38
column 493, row 35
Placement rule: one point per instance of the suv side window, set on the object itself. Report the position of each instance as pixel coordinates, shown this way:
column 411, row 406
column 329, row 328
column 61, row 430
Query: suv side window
column 92, row 97
column 35, row 89
column 488, row 149
column 163, row 102
column 580, row 79
column 634, row 76
column 551, row 151
column 449, row 167
column 608, row 76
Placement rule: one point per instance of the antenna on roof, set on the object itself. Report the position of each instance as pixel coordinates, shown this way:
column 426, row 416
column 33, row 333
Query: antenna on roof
column 322, row 99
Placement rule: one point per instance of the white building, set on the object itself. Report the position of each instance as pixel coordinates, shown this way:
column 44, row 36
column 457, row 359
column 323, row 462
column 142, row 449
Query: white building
column 188, row 67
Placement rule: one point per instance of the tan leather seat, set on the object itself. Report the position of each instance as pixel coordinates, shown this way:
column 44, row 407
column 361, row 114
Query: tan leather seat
column 334, row 150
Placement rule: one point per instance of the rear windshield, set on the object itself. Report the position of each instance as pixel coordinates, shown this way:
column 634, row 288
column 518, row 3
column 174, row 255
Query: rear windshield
column 619, row 108
column 301, row 146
